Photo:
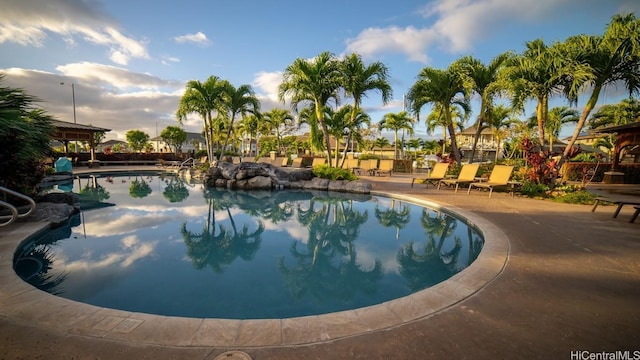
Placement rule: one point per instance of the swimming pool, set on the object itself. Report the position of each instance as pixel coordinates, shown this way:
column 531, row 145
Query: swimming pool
column 166, row 247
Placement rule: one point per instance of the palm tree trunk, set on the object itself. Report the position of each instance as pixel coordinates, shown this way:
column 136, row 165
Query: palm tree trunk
column 583, row 118
column 454, row 144
column 395, row 145
column 542, row 117
column 475, row 139
column 226, row 141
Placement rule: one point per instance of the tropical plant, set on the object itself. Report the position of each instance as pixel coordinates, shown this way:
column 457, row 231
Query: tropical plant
column 314, row 82
column 611, row 59
column 487, row 83
column 237, row 101
column 498, row 121
column 559, row 116
column 396, row 122
column 625, row 112
column 537, row 73
column 357, row 79
column 381, row 143
column 25, row 132
column 249, row 127
column 203, row 98
column 445, row 88
column 437, row 118
column 274, row 120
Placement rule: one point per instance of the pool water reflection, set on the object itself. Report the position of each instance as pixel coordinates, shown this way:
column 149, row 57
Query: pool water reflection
column 171, row 248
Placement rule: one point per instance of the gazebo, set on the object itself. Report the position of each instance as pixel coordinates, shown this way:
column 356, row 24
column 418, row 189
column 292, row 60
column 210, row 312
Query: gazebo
column 66, row 131
column 626, row 135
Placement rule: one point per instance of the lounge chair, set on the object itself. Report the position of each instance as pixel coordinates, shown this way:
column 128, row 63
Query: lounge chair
column 500, row 176
column 318, row 161
column 264, row 160
column 281, row 161
column 385, row 167
column 367, row 166
column 467, row 176
column 619, row 200
column 438, row 173
column 350, row 164
column 297, row 163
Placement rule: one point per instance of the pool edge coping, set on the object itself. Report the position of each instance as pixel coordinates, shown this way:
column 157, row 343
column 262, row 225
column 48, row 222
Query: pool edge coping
column 20, row 302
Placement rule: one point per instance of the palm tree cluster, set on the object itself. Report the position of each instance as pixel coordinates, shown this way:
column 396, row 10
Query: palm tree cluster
column 219, row 103
column 316, row 82
column 581, row 63
column 317, row 87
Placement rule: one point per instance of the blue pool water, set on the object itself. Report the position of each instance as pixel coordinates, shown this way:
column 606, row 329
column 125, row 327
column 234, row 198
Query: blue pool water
column 155, row 244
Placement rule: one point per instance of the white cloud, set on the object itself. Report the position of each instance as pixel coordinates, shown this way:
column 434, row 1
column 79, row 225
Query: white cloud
column 411, row 41
column 266, row 83
column 460, row 23
column 105, row 96
column 114, row 77
column 29, row 23
column 197, row 38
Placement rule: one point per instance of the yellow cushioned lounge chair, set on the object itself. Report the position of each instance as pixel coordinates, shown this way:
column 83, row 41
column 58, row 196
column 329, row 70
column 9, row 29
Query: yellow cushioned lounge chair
column 436, row 174
column 500, row 176
column 467, row 176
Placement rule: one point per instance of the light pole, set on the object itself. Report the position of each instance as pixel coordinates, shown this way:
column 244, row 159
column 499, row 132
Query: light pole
column 73, row 99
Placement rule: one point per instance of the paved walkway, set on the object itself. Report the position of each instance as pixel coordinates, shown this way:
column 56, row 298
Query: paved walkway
column 571, row 283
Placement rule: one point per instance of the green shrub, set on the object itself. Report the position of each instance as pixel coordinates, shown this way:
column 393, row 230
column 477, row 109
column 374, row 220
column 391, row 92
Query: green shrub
column 533, row 189
column 577, row 197
column 326, row 172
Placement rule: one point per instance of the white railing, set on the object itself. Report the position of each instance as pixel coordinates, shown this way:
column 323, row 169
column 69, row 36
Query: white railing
column 15, row 213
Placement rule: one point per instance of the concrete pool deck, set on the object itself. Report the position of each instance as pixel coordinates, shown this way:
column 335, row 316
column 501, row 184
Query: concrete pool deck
column 558, row 279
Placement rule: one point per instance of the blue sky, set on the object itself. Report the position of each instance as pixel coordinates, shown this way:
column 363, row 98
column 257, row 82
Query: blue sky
column 129, row 60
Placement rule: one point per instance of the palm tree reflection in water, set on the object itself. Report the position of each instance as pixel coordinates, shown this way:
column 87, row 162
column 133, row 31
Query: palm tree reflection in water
column 296, row 253
column 327, row 269
column 219, row 247
column 441, row 258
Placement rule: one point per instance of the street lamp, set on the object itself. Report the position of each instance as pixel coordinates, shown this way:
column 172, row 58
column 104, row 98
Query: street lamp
column 73, row 98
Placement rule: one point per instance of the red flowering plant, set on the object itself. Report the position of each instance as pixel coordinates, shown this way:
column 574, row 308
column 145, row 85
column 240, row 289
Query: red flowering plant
column 542, row 168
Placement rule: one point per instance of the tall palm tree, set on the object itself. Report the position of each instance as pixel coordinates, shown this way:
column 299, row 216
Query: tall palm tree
column 355, row 129
column 558, row 116
column 358, row 79
column 437, row 118
column 537, row 74
column 237, row 101
column 415, row 144
column 445, row 88
column 396, row 122
column 613, row 58
column 314, row 81
column 487, row 83
column 625, row 112
column 500, row 119
column 249, row 126
column 275, row 119
column 203, row 98
column 381, row 143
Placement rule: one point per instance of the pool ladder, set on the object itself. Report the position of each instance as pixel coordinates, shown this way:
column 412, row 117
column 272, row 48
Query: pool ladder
column 15, row 213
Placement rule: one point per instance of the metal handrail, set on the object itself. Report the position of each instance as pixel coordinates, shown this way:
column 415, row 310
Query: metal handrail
column 15, row 214
column 192, row 160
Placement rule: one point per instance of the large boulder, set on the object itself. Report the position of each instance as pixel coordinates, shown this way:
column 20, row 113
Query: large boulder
column 260, row 176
